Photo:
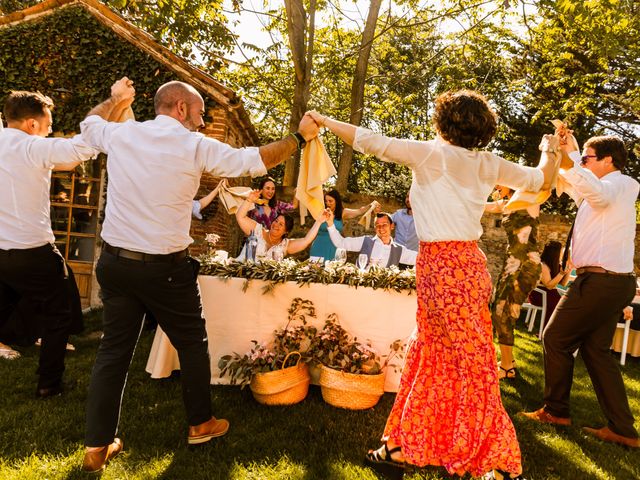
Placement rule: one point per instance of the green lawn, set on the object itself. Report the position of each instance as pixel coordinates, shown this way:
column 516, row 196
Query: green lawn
column 42, row 439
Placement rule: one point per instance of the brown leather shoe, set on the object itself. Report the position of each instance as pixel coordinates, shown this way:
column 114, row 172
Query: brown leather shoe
column 206, row 431
column 542, row 416
column 96, row 460
column 607, row 435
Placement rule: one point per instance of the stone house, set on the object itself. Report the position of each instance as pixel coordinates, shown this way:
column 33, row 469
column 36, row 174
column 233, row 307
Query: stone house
column 72, row 50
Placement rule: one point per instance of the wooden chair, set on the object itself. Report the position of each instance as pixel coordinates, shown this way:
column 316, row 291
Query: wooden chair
column 532, row 312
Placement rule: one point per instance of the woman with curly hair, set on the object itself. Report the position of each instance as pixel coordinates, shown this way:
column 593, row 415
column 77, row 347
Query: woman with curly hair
column 448, row 410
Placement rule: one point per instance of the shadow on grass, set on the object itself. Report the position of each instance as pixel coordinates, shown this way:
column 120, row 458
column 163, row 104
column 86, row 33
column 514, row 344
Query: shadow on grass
column 308, row 441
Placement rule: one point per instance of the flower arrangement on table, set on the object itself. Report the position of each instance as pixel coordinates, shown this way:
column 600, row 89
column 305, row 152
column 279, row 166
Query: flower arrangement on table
column 290, row 270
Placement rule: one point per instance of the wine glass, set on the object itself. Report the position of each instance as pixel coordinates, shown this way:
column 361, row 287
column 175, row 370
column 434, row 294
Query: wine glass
column 278, row 254
column 363, row 259
column 341, row 255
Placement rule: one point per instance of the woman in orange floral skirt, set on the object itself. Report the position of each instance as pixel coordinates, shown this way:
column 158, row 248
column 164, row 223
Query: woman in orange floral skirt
column 448, row 410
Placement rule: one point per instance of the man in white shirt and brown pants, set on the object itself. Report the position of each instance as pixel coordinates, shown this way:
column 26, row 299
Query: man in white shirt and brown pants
column 602, row 249
column 31, row 267
column 154, row 172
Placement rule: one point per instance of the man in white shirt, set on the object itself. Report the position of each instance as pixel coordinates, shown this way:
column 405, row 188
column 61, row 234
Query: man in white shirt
column 602, row 249
column 154, row 170
column 32, row 270
column 405, row 226
column 380, row 249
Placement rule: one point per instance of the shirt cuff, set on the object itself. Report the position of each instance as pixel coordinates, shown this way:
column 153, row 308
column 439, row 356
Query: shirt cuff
column 332, row 227
column 258, row 169
column 576, row 158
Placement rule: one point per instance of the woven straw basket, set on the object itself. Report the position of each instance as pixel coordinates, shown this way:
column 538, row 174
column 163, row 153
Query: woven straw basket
column 350, row 390
column 282, row 387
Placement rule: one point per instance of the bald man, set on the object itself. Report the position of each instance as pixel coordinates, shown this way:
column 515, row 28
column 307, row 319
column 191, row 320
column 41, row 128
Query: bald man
column 154, row 170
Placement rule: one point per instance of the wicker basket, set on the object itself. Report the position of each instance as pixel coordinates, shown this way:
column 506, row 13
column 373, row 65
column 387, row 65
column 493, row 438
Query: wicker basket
column 282, row 387
column 350, row 390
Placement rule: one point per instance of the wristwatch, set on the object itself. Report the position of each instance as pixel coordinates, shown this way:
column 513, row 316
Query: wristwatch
column 300, row 140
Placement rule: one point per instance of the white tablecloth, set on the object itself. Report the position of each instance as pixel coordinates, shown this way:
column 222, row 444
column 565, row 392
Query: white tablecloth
column 234, row 318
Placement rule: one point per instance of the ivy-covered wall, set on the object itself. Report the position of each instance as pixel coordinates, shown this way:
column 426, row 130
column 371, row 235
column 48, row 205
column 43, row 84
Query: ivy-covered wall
column 71, row 57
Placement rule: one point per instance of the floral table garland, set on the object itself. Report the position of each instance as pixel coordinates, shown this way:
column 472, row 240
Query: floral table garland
column 290, row 270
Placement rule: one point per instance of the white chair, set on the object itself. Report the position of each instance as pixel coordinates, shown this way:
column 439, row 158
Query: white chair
column 532, row 311
column 626, row 326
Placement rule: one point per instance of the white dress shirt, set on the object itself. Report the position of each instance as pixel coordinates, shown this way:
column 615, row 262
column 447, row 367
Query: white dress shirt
column 380, row 250
column 450, row 184
column 26, row 162
column 605, row 228
column 154, row 170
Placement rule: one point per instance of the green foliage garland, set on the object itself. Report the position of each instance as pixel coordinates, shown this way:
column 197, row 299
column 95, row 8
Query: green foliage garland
column 308, row 272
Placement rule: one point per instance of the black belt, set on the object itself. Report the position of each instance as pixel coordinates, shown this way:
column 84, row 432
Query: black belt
column 145, row 257
column 581, row 270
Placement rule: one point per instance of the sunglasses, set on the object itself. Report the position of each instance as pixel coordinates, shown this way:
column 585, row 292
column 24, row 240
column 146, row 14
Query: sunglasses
column 585, row 158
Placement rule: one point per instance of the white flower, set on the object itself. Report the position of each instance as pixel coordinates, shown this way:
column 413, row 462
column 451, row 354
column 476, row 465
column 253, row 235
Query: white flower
column 212, row 238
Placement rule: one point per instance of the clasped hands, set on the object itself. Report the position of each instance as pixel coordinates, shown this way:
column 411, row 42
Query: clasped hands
column 122, row 91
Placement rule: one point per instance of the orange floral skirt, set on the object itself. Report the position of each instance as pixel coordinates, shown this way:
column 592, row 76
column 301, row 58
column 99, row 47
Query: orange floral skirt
column 448, row 410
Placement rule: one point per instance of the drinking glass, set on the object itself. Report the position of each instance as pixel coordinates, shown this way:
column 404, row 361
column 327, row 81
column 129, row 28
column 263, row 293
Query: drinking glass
column 341, row 255
column 363, row 259
column 278, row 254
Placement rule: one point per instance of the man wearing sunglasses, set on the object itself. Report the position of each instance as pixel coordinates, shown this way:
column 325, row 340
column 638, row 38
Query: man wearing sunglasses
column 602, row 248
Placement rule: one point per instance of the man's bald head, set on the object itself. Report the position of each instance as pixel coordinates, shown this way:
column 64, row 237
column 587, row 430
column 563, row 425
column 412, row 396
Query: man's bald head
column 182, row 102
column 170, row 93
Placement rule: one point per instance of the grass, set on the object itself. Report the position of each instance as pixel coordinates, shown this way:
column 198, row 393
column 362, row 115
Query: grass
column 42, row 439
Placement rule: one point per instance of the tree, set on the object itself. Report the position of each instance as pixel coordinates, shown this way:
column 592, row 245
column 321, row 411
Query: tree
column 357, row 91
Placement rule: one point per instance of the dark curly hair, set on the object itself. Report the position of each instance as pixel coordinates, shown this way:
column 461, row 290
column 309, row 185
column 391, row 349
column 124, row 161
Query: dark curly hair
column 465, row 119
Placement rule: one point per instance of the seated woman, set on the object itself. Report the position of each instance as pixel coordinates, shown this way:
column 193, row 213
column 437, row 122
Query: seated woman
column 272, row 240
column 272, row 208
column 552, row 275
column 322, row 246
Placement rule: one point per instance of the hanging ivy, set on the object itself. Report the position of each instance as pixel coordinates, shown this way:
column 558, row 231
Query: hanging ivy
column 73, row 58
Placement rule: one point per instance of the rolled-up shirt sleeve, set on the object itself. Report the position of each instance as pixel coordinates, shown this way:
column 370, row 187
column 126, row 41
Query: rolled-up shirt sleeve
column 389, row 149
column 351, row 244
column 223, row 160
column 49, row 152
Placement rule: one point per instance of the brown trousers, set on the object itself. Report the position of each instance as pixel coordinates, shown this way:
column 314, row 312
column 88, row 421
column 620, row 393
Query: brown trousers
column 586, row 318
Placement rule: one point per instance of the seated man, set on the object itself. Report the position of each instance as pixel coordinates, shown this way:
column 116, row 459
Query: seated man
column 381, row 249
column 406, row 234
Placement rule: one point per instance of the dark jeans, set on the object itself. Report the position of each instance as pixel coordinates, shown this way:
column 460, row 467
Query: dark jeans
column 586, row 318
column 35, row 279
column 170, row 292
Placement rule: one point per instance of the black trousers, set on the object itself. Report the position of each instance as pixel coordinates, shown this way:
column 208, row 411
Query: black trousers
column 586, row 318
column 129, row 288
column 34, row 289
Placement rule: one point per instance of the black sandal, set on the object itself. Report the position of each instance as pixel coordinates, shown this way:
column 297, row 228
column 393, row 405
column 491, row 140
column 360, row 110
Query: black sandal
column 509, row 373
column 384, row 464
column 501, row 475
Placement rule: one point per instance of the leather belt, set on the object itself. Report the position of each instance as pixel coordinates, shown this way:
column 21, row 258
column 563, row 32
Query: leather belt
column 581, row 270
column 145, row 257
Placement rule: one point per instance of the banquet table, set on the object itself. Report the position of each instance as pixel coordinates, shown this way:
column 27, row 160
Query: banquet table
column 237, row 313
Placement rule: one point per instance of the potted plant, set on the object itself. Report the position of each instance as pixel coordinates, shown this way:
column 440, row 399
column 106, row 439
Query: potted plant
column 352, row 373
column 277, row 373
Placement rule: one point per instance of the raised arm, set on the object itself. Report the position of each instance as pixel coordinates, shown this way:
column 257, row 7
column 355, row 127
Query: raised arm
column 348, row 213
column 276, row 152
column 244, row 222
column 548, row 281
column 122, row 95
column 298, row 244
column 345, row 131
column 208, row 198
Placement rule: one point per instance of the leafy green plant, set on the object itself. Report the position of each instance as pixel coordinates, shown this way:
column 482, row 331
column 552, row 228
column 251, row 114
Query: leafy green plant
column 334, row 348
column 263, row 358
